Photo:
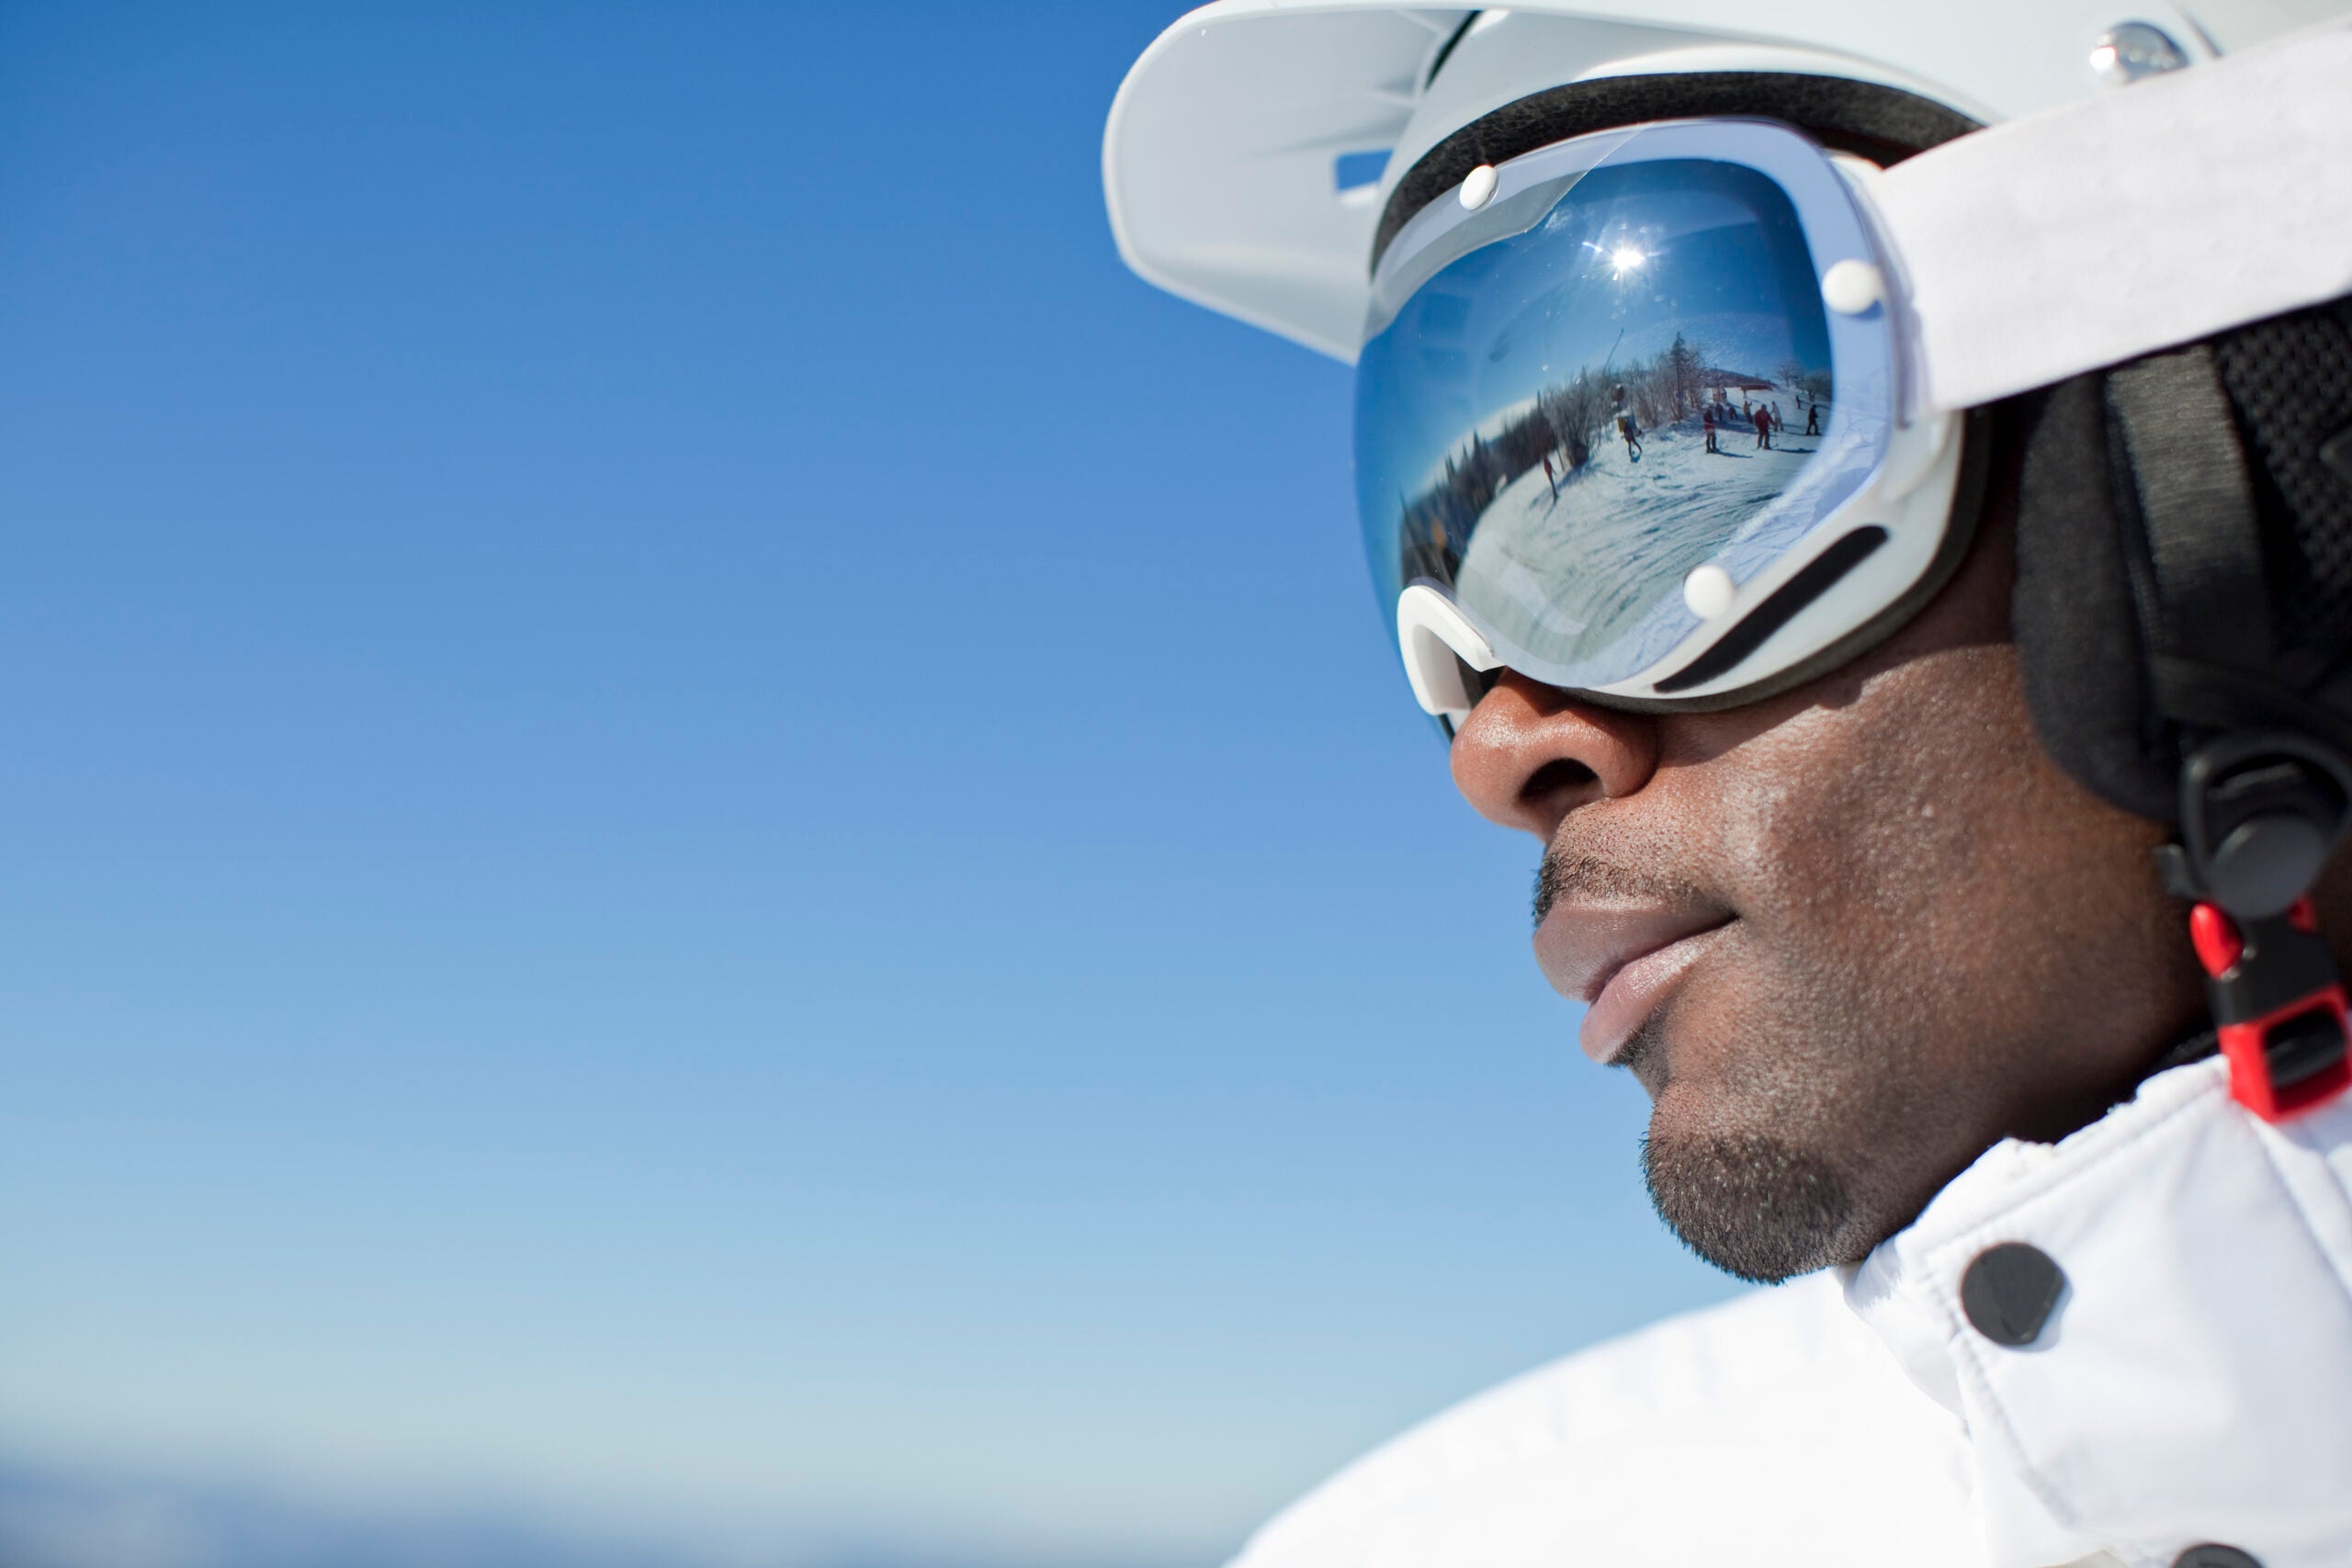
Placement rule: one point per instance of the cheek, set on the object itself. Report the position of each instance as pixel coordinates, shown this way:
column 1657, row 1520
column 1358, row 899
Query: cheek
column 1865, row 816
column 1870, row 848
column 1922, row 895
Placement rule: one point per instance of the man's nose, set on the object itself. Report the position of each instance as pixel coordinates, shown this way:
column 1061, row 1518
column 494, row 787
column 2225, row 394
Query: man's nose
column 1529, row 754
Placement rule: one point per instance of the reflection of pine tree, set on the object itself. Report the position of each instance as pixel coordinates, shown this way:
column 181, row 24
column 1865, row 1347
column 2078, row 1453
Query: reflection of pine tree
column 1437, row 525
column 1436, row 530
column 1682, row 362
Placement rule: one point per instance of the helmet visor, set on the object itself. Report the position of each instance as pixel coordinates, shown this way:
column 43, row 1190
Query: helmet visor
column 1617, row 371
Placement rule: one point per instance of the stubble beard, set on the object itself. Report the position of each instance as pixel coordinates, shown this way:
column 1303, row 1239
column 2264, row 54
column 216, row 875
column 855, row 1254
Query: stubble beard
column 1754, row 1206
column 1759, row 1205
column 1799, row 1146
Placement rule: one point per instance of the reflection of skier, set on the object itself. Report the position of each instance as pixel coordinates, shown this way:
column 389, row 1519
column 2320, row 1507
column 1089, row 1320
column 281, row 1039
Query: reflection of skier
column 1707, row 417
column 1632, row 435
column 1764, row 427
column 1625, row 425
column 1813, row 418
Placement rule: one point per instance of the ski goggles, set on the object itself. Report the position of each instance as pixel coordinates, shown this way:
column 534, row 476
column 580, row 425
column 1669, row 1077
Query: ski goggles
column 1670, row 416
column 1630, row 420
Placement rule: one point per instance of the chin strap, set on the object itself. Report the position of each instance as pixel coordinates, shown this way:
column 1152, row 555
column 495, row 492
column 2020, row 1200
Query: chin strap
column 2260, row 814
column 2278, row 1008
column 2266, row 788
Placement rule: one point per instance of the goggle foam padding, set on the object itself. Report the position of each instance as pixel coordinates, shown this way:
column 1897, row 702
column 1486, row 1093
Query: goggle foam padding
column 1882, row 124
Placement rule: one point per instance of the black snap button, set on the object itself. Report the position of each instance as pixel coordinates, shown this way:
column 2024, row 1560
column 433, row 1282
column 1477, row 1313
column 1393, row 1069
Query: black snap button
column 2007, row 1292
column 2213, row 1556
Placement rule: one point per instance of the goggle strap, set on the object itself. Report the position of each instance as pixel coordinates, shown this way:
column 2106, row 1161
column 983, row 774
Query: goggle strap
column 2154, row 215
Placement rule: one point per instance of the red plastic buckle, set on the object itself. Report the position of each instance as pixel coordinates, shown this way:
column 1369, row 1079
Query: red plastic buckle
column 2301, row 1038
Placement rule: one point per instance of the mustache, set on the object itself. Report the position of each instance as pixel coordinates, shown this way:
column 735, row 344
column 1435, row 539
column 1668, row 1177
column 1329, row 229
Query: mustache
column 1590, row 878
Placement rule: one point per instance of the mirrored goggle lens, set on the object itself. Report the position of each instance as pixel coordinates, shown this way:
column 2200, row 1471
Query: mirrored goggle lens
column 1619, row 371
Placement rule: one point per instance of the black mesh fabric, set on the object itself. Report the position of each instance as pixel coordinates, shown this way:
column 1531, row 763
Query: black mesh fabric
column 2292, row 380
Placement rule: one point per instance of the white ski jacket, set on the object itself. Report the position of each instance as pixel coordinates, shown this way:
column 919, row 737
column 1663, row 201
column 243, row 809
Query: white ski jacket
column 2190, row 1389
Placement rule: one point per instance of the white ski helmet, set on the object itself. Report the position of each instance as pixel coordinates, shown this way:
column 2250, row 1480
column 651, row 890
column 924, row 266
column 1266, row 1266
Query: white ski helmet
column 1252, row 149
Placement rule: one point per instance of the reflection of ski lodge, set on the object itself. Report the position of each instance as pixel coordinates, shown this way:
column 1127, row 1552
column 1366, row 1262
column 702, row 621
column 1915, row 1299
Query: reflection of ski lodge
column 1721, row 386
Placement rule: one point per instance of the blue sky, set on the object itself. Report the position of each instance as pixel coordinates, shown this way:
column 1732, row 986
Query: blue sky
column 704, row 831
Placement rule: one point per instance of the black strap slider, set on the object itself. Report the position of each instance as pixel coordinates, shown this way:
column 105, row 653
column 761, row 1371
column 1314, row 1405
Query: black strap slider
column 2260, row 812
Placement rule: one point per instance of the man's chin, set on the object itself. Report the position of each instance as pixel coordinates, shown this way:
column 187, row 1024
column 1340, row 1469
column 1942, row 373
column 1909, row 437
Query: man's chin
column 1733, row 1154
column 1752, row 1204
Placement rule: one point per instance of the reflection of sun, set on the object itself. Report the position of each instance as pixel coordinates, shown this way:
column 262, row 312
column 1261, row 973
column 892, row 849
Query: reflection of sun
column 1626, row 257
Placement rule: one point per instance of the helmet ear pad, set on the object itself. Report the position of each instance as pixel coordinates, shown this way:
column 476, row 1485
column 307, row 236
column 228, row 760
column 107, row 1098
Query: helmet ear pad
column 2087, row 588
column 2074, row 614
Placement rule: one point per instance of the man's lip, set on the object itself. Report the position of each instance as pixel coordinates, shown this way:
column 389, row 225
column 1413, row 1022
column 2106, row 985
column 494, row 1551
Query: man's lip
column 1620, row 960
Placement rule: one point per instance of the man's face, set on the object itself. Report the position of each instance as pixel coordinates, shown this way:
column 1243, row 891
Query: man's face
column 1846, row 937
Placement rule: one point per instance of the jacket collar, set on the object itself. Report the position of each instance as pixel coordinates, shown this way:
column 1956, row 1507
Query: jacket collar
column 2189, row 1375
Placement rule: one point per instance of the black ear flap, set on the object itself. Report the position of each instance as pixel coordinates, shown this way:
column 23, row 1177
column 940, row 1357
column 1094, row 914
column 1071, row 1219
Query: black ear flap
column 2184, row 554
column 2076, row 623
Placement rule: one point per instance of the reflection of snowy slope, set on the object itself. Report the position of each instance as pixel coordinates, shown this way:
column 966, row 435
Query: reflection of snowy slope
column 1566, row 579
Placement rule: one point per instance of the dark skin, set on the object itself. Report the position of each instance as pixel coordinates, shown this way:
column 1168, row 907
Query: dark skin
column 1938, row 939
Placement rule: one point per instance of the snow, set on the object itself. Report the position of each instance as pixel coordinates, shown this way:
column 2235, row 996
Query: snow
column 1570, row 578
